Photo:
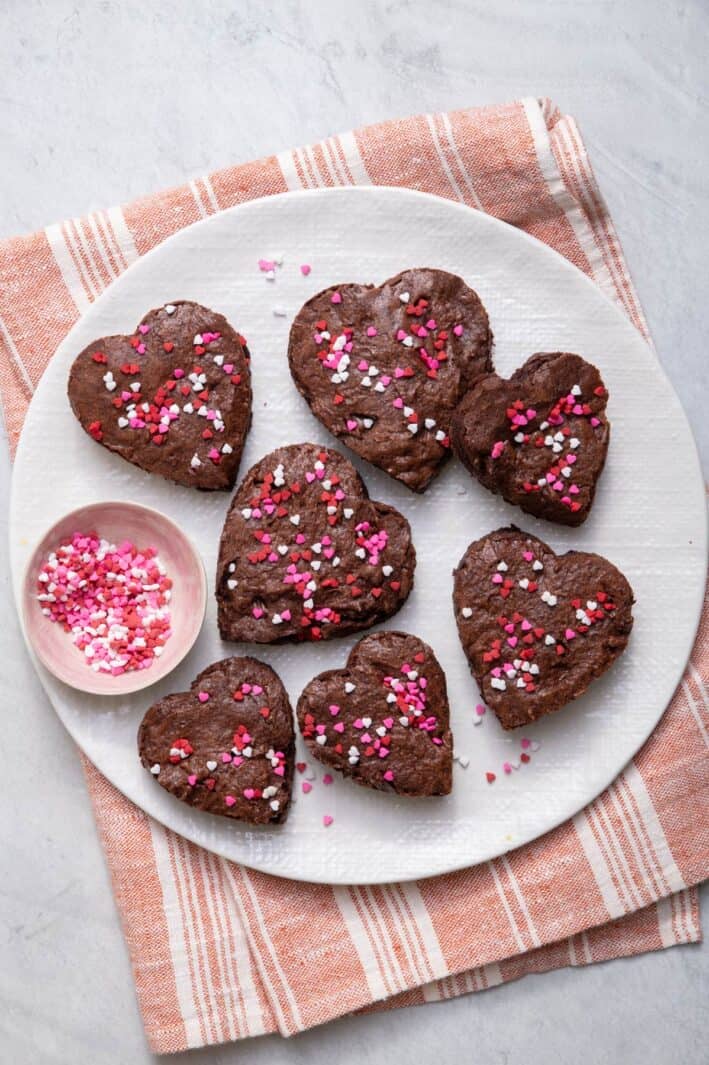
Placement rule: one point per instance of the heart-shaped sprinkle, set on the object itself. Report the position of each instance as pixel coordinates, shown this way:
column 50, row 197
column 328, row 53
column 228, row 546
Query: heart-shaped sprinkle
column 249, row 758
column 421, row 363
column 410, row 753
column 523, row 671
column 512, row 434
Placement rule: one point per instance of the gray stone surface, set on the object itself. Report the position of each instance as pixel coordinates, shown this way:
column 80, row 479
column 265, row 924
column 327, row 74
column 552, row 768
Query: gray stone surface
column 201, row 85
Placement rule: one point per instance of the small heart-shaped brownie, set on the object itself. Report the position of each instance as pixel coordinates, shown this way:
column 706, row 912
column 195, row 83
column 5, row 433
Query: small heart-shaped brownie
column 306, row 555
column 383, row 720
column 174, row 398
column 537, row 627
column 383, row 368
column 227, row 745
column 540, row 438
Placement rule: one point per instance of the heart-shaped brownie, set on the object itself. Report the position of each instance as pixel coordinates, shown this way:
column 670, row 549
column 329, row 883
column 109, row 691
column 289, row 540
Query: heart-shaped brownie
column 383, row 368
column 306, row 555
column 227, row 745
column 540, row 438
column 383, row 720
column 537, row 627
column 174, row 398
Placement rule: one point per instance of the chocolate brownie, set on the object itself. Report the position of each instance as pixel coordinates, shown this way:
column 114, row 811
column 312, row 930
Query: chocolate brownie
column 383, row 367
column 226, row 746
column 383, row 720
column 540, row 438
column 306, row 555
column 537, row 627
column 174, row 398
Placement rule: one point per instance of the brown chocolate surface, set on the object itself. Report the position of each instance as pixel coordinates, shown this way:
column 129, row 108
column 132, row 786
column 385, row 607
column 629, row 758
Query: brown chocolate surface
column 174, row 398
column 537, row 627
column 230, row 754
column 306, row 555
column 383, row 367
column 383, row 720
column 540, row 438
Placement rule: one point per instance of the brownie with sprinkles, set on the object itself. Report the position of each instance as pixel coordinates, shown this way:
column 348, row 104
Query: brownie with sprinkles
column 383, row 367
column 537, row 627
column 538, row 438
column 306, row 555
column 173, row 398
column 226, row 746
column 383, row 720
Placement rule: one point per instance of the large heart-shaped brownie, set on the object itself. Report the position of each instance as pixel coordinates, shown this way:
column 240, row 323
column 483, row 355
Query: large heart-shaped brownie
column 383, row 368
column 227, row 745
column 383, row 720
column 540, row 438
column 306, row 555
column 174, row 398
column 537, row 627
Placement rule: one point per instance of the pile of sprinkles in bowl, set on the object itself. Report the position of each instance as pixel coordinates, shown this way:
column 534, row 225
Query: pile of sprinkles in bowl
column 112, row 598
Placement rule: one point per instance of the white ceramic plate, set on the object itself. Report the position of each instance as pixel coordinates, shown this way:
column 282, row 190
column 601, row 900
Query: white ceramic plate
column 648, row 518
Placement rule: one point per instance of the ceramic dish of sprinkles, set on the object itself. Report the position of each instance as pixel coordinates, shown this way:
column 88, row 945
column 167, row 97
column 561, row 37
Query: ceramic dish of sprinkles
column 351, row 319
column 113, row 598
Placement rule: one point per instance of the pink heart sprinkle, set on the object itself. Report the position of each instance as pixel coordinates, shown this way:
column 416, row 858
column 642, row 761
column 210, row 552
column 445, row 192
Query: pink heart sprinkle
column 527, row 556
column 512, row 641
column 257, row 612
column 507, row 767
column 525, row 743
column 339, row 726
column 458, row 330
column 305, row 269
column 306, row 786
column 143, row 329
column 229, row 800
column 280, row 770
column 385, row 379
column 388, row 722
column 389, row 775
column 480, row 709
column 362, row 365
column 358, row 722
column 228, row 367
column 570, row 634
column 286, row 615
column 327, row 820
column 192, row 779
column 336, row 298
column 226, row 757
column 334, row 709
column 510, row 627
column 526, row 625
column 398, row 403
column 203, row 697
column 371, row 331
column 497, row 578
column 401, row 334
column 249, row 793
column 351, row 424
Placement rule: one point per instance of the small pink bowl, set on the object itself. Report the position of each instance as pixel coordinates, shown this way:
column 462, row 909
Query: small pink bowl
column 118, row 521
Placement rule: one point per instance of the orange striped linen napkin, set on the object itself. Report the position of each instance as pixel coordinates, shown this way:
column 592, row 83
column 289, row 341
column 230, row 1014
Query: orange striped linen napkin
column 220, row 952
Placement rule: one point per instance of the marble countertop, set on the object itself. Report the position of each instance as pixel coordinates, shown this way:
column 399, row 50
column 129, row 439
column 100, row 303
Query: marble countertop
column 200, row 86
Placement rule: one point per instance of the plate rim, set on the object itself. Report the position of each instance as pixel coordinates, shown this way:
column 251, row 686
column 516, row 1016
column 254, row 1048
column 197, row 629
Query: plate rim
column 483, row 219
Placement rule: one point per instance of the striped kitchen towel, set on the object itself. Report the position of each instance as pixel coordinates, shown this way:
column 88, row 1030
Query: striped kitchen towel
column 220, row 952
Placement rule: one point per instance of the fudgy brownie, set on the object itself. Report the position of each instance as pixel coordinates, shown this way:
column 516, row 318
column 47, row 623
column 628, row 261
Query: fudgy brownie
column 540, row 438
column 174, row 398
column 537, row 627
column 383, row 367
column 306, row 555
column 226, row 746
column 383, row 720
